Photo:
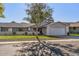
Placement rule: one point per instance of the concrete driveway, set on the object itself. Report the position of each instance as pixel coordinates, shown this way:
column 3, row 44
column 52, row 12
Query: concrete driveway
column 69, row 37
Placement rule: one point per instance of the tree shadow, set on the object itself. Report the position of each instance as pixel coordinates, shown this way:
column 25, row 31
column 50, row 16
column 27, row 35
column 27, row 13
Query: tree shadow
column 45, row 49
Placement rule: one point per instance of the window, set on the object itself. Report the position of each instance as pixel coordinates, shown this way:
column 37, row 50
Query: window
column 4, row 29
column 20, row 29
column 74, row 28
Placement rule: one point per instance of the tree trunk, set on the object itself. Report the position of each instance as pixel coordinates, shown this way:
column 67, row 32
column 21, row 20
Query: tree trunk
column 37, row 35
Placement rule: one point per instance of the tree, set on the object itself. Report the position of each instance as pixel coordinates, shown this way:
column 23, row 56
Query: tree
column 13, row 22
column 1, row 10
column 37, row 13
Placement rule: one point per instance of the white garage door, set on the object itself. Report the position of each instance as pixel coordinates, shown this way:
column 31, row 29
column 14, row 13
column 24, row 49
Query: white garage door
column 57, row 31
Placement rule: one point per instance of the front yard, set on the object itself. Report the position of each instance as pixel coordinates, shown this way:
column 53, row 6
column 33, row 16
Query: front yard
column 60, row 47
column 23, row 37
column 74, row 34
column 67, row 48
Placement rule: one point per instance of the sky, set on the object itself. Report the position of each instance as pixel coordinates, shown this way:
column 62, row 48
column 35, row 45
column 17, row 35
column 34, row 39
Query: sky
column 63, row 12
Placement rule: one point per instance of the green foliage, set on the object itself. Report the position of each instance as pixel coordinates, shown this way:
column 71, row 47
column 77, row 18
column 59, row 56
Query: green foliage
column 1, row 10
column 74, row 34
column 13, row 22
column 21, row 37
column 38, row 12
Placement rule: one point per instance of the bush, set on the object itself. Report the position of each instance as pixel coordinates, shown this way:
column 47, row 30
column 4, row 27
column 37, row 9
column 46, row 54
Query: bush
column 14, row 33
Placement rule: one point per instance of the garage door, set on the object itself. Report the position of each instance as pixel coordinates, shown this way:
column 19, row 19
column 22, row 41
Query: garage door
column 57, row 31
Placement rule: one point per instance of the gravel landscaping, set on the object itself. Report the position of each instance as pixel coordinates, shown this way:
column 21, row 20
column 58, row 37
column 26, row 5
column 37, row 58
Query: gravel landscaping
column 49, row 49
column 58, row 48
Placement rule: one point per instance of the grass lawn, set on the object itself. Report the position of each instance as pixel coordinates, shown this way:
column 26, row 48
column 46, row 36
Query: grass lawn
column 74, row 34
column 23, row 37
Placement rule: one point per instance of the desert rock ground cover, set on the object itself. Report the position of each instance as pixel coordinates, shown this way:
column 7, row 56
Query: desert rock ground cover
column 58, row 48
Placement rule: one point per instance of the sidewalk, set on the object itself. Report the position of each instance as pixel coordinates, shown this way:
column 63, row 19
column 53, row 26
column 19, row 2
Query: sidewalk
column 13, row 42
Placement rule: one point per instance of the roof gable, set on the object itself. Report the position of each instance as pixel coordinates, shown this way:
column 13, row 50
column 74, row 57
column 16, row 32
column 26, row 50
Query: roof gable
column 59, row 23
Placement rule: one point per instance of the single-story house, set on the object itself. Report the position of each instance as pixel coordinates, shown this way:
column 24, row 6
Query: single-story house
column 74, row 27
column 14, row 28
column 46, row 28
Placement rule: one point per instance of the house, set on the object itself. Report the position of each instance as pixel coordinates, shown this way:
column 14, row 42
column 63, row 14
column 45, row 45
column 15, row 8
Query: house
column 74, row 27
column 22, row 28
column 14, row 28
column 46, row 28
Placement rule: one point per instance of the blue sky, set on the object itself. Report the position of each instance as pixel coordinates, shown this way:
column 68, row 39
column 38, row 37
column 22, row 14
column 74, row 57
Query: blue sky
column 62, row 12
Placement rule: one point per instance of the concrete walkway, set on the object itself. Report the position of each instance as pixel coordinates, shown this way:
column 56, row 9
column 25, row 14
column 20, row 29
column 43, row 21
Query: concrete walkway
column 13, row 42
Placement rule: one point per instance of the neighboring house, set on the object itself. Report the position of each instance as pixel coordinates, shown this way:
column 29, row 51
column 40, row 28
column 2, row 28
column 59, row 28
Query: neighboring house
column 74, row 27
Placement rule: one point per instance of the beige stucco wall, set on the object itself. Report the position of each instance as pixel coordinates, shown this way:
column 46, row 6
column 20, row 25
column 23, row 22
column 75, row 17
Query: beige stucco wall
column 10, row 33
column 67, row 29
column 10, row 29
column 20, row 32
column 5, row 33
